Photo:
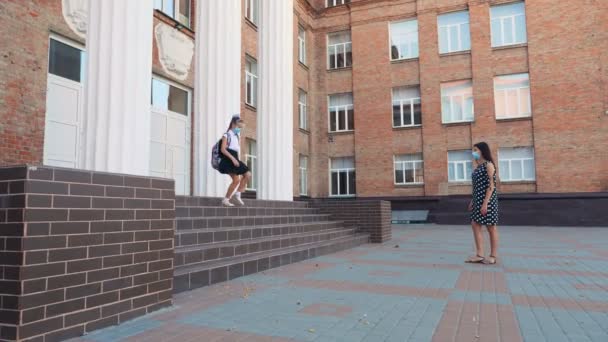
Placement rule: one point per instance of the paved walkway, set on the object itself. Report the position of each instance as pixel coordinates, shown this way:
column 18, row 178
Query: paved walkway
column 551, row 285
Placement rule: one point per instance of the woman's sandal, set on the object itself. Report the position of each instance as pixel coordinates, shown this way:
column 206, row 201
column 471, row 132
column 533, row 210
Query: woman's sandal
column 475, row 259
column 491, row 260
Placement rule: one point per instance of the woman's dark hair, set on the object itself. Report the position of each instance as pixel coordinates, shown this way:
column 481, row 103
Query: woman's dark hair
column 486, row 153
column 233, row 121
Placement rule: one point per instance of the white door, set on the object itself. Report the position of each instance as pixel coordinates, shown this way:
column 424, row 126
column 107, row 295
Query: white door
column 170, row 137
column 64, row 105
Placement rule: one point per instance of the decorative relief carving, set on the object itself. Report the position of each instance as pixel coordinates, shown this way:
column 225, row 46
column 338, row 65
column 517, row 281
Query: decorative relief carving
column 75, row 13
column 175, row 51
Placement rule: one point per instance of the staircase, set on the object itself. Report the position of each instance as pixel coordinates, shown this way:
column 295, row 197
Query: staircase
column 215, row 243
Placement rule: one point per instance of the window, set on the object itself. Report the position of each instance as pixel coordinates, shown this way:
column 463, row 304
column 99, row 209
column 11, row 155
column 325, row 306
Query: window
column 301, row 45
column 512, row 96
column 176, row 9
column 457, row 101
column 516, row 164
column 303, row 175
column 251, row 11
column 454, row 32
column 66, row 61
column 406, row 107
column 252, row 163
column 339, row 50
column 409, row 169
column 341, row 113
column 302, row 109
column 404, row 40
column 342, row 177
column 460, row 166
column 167, row 97
column 508, row 24
column 334, row 3
column 251, row 82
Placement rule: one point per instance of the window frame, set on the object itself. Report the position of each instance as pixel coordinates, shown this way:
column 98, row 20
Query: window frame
column 507, row 116
column 403, row 163
column 249, row 76
column 340, row 109
column 171, row 83
column 336, row 3
column 75, row 45
column 390, row 40
column 303, row 175
column 401, row 105
column 467, row 176
column 339, row 171
column 176, row 13
column 254, row 13
column 252, row 162
column 344, row 45
column 502, row 20
column 522, row 160
column 303, row 109
column 449, row 36
column 302, row 44
column 463, row 98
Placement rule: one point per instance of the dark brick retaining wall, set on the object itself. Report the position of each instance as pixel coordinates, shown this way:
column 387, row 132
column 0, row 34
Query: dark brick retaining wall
column 370, row 216
column 81, row 250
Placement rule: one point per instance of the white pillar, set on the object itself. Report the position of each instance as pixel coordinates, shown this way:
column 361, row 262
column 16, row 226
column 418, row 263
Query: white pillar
column 118, row 83
column 217, row 87
column 275, row 112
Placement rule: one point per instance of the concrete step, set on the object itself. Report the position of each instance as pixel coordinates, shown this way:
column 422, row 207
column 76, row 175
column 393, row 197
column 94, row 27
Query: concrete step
column 216, row 251
column 212, row 272
column 182, row 201
column 245, row 221
column 213, row 211
column 208, row 235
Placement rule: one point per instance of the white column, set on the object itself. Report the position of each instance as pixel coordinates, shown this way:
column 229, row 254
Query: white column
column 217, row 87
column 118, row 83
column 275, row 111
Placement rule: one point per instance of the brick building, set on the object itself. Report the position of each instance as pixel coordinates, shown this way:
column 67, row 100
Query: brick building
column 388, row 96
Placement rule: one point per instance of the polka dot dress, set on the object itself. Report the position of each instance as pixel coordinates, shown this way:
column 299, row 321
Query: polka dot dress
column 480, row 187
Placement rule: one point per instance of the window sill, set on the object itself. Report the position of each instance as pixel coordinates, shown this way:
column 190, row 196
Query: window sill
column 340, row 69
column 304, row 66
column 342, row 196
column 524, row 182
column 406, row 128
column 405, row 60
column 507, row 47
column 169, row 20
column 456, row 53
column 305, row 131
column 463, row 123
column 251, row 24
column 460, row 183
column 341, row 133
column 522, row 118
column 410, row 185
column 250, row 107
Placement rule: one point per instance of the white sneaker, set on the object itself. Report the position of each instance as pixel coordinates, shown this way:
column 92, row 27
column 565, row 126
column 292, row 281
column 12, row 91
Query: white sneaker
column 237, row 199
column 226, row 203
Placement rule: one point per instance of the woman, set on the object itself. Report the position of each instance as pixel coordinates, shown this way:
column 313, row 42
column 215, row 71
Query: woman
column 230, row 163
column 484, row 205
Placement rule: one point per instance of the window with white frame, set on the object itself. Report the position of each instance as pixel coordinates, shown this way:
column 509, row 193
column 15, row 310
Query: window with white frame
column 508, row 23
column 339, row 50
column 516, row 164
column 302, row 97
column 251, row 11
column 342, row 177
column 301, row 45
column 460, row 166
column 404, row 39
column 512, row 96
column 341, row 113
column 407, row 111
column 176, row 9
column 251, row 82
column 457, row 101
column 334, row 3
column 409, row 169
column 454, row 34
column 252, row 163
column 303, row 175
